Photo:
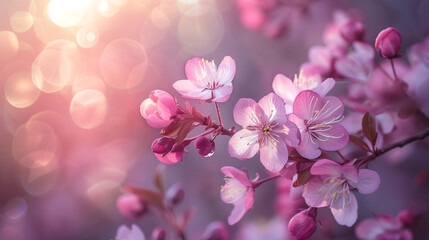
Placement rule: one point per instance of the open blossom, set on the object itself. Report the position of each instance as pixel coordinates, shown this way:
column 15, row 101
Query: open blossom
column 126, row 233
column 288, row 89
column 205, row 81
column 238, row 190
column 265, row 129
column 358, row 64
column 331, row 187
column 317, row 119
column 158, row 109
column 383, row 227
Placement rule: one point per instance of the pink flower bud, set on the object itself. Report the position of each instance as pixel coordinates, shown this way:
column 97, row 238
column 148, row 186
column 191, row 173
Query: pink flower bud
column 406, row 217
column 216, row 231
column 158, row 234
column 352, row 31
column 130, row 206
column 158, row 109
column 204, row 146
column 303, row 224
column 175, row 194
column 162, row 145
column 388, row 42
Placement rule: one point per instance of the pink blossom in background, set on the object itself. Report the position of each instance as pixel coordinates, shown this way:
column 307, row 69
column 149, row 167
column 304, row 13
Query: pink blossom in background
column 130, row 206
column 158, row 109
column 206, row 81
column 318, row 121
column 265, row 129
column 126, row 233
column 238, row 190
column 288, row 89
column 332, row 186
column 383, row 227
column 358, row 63
column 388, row 42
column 273, row 229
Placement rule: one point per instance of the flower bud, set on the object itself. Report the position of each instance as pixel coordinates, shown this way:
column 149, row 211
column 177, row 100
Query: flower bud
column 216, row 231
column 303, row 224
column 204, row 146
column 158, row 234
column 388, row 43
column 352, row 31
column 162, row 145
column 175, row 194
column 130, row 206
column 158, row 109
column 406, row 217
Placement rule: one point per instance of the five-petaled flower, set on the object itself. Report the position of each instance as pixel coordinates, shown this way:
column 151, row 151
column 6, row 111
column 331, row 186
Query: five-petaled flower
column 238, row 190
column 317, row 119
column 332, row 187
column 265, row 129
column 205, row 81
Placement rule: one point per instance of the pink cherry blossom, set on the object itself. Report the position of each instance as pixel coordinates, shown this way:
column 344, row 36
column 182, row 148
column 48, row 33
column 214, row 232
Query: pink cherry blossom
column 358, row 64
column 383, row 227
column 168, row 151
column 288, row 89
column 238, row 190
column 126, row 233
column 303, row 224
column 332, row 186
column 158, row 109
column 130, row 206
column 388, row 42
column 206, row 81
column 317, row 119
column 265, row 129
column 272, row 229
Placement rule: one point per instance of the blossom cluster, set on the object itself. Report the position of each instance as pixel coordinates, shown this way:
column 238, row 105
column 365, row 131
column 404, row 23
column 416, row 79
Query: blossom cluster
column 320, row 145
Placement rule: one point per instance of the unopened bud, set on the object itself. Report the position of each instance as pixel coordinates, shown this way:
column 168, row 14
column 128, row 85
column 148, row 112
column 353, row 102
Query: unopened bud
column 216, row 231
column 175, row 194
column 130, row 206
column 388, row 43
column 353, row 31
column 303, row 224
column 162, row 145
column 406, row 217
column 204, row 146
column 158, row 234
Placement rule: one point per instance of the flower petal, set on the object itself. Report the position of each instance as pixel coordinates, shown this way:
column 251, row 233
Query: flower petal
column 368, row 181
column 170, row 158
column 199, row 71
column 221, row 94
column 351, row 173
column 312, row 193
column 324, row 87
column 243, row 144
column 348, row 215
column 237, row 212
column 326, row 167
column 233, row 172
column 306, row 103
column 189, row 90
column 284, row 87
column 274, row 154
column 246, row 112
column 156, row 122
column 368, row 229
column 307, row 148
column 337, row 138
column 274, row 108
column 226, row 71
column 289, row 132
column 332, row 109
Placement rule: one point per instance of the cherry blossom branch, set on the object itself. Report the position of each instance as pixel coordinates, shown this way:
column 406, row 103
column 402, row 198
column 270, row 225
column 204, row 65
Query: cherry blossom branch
column 218, row 113
column 258, row 183
column 400, row 144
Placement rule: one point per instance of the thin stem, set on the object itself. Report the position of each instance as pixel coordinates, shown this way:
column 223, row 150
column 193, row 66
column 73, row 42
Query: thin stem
column 258, row 183
column 218, row 114
column 399, row 144
column 200, row 135
column 394, row 71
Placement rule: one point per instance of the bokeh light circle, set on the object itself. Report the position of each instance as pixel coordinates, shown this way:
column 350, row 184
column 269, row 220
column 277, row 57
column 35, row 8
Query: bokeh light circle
column 200, row 35
column 20, row 91
column 21, row 21
column 88, row 108
column 66, row 13
column 123, row 63
column 88, row 82
column 87, row 36
column 9, row 45
column 52, row 70
column 16, row 208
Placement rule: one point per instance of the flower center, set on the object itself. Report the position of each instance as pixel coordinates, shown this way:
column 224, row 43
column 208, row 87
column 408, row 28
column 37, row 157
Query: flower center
column 266, row 129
